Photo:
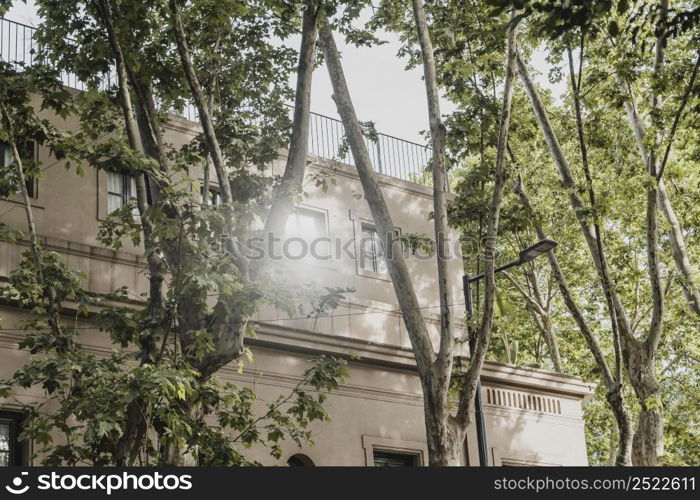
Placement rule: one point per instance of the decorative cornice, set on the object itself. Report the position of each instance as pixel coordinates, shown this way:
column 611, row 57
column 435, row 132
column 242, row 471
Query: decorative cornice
column 88, row 251
column 397, row 357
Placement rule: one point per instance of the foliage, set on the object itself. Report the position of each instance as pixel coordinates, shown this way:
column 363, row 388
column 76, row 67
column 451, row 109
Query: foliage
column 618, row 177
column 155, row 398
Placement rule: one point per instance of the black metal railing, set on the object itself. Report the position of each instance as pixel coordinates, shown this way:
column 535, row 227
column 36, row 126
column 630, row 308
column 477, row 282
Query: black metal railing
column 390, row 155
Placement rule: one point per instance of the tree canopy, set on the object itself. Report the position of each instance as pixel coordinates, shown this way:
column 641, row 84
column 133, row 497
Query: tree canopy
column 608, row 169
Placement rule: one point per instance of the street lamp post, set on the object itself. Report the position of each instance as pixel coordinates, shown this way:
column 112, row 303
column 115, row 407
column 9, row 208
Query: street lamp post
column 526, row 255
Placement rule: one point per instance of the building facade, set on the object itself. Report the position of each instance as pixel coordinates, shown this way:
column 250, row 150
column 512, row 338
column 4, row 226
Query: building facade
column 533, row 417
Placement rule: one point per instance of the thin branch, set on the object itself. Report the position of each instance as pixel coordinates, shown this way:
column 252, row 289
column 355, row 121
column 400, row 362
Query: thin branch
column 678, row 115
column 468, row 393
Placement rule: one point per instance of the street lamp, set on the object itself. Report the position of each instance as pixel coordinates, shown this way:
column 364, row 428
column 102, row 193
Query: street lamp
column 526, row 255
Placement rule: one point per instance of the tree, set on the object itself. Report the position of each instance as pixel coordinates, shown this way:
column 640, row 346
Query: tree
column 599, row 153
column 178, row 341
column 617, row 40
column 445, row 431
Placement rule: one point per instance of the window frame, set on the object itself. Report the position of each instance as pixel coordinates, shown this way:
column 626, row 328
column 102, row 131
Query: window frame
column 419, row 449
column 414, row 458
column 325, row 224
column 375, row 259
column 126, row 186
column 18, row 449
column 508, row 457
column 360, row 226
column 129, row 184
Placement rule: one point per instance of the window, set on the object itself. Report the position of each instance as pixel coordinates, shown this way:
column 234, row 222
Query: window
column 10, row 448
column 306, row 235
column 393, row 459
column 120, row 188
column 6, row 154
column 300, row 460
column 306, row 224
column 7, row 159
column 214, row 197
column 372, row 254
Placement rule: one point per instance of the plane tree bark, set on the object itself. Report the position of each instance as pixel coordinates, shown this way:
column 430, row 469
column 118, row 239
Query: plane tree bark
column 637, row 355
column 675, row 233
column 226, row 325
column 293, row 177
column 445, row 358
column 445, row 431
column 611, row 378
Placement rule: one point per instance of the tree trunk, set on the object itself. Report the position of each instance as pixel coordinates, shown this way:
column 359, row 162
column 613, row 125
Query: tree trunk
column 293, row 176
column 623, row 457
column 622, row 331
column 398, row 270
column 468, row 393
column 435, row 405
column 445, row 444
column 675, row 234
column 445, row 357
column 49, row 293
column 648, row 442
column 543, row 320
column 201, row 103
column 613, row 384
column 129, row 444
column 612, row 446
column 207, row 123
column 629, row 343
column 552, row 343
column 604, row 275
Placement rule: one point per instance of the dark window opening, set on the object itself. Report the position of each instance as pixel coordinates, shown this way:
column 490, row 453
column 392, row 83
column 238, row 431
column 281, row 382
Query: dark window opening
column 214, row 198
column 149, row 198
column 28, row 155
column 31, row 187
column 11, row 450
column 394, row 459
column 300, row 460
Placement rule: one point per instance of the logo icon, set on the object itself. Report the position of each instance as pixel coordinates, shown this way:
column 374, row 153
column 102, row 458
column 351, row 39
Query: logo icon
column 17, row 482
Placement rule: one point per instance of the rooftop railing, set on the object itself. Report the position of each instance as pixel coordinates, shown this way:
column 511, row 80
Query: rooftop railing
column 390, row 155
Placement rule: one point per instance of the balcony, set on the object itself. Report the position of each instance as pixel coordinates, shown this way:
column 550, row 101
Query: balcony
column 390, row 155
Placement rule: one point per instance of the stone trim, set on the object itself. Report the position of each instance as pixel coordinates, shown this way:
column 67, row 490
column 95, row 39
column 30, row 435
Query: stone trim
column 522, row 458
column 371, row 443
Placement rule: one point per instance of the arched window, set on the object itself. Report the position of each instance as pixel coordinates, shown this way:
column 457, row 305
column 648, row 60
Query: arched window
column 300, row 460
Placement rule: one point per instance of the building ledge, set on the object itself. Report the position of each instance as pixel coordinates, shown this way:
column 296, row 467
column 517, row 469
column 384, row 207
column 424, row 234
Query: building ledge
column 397, row 357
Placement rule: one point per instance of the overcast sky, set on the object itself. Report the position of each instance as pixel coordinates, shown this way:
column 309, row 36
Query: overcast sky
column 382, row 90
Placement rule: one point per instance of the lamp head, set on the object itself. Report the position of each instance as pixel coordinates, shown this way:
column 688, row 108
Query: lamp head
column 531, row 252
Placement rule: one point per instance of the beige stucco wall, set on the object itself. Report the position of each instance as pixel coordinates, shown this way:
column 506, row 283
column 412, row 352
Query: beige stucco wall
column 381, row 403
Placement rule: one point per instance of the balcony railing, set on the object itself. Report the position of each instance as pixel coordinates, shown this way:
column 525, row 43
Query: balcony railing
column 390, row 155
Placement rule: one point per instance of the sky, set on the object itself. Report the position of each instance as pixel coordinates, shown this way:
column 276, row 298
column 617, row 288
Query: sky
column 382, row 90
